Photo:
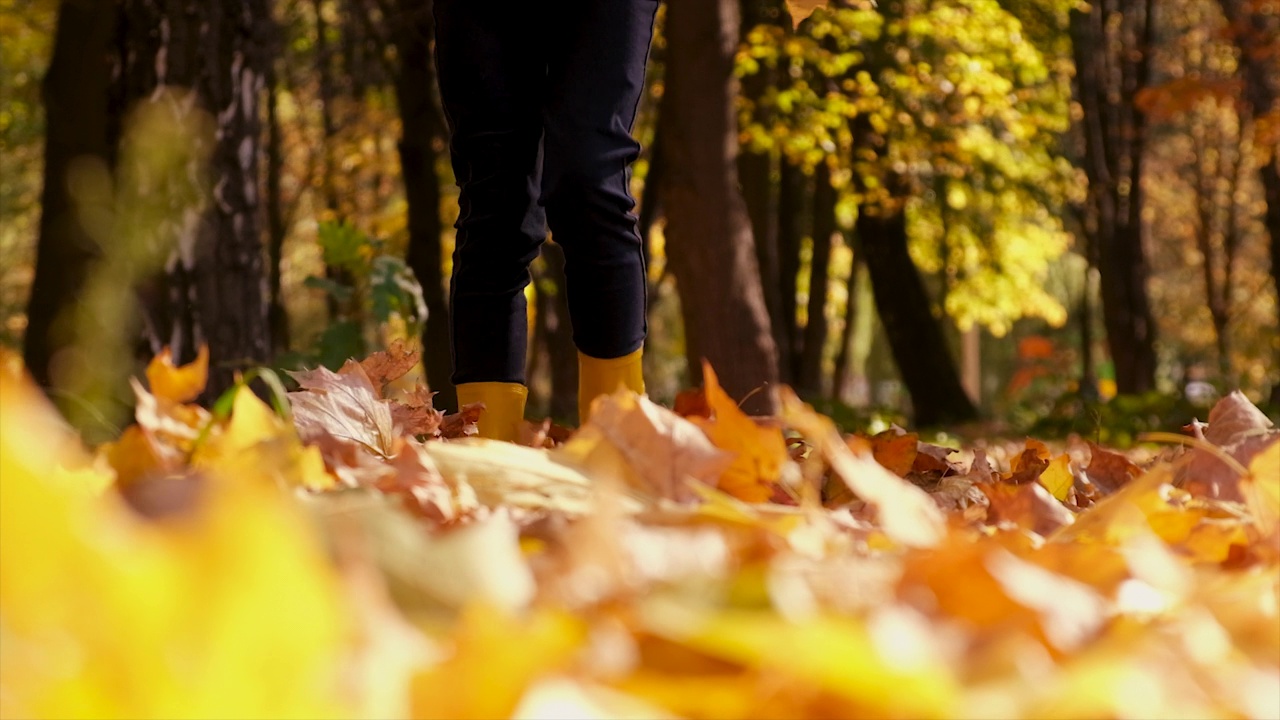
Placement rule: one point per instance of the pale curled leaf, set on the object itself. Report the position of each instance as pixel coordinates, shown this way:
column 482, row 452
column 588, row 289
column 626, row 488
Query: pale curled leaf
column 344, row 406
column 905, row 512
column 647, row 446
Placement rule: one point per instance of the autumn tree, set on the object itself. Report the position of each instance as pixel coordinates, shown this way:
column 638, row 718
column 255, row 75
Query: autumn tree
column 709, row 242
column 941, row 121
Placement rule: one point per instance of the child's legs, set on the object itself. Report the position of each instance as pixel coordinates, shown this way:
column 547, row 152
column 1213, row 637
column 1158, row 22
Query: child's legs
column 492, row 70
column 598, row 50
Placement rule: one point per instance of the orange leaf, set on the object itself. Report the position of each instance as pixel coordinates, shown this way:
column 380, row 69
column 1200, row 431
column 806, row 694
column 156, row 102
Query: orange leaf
column 896, row 450
column 1110, row 470
column 1028, row 465
column 179, row 384
column 761, row 451
column 1028, row 505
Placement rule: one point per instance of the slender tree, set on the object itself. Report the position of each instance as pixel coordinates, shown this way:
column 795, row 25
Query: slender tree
column 817, row 327
column 709, row 233
column 1112, row 66
column 423, row 133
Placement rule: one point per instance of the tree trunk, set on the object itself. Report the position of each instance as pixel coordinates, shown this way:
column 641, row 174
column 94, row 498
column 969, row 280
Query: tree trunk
column 422, row 128
column 215, row 279
column 709, row 234
column 1113, row 65
column 76, row 110
column 792, row 193
column 815, row 331
column 915, row 336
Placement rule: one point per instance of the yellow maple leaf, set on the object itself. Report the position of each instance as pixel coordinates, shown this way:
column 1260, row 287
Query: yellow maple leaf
column 760, row 451
column 1057, row 478
column 178, row 383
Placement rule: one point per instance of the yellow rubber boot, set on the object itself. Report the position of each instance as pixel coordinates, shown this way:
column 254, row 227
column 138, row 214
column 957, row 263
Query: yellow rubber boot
column 598, row 377
column 503, row 407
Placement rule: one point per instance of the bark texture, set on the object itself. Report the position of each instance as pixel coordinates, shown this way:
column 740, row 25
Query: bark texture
column 214, row 287
column 1112, row 66
column 709, row 241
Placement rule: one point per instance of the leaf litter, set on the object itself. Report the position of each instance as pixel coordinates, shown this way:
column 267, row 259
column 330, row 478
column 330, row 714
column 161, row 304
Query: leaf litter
column 371, row 557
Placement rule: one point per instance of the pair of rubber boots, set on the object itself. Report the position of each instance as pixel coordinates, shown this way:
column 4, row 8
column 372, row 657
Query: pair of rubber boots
column 504, row 402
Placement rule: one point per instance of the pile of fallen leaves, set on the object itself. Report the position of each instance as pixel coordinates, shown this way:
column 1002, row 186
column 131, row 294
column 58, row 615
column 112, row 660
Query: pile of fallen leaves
column 355, row 552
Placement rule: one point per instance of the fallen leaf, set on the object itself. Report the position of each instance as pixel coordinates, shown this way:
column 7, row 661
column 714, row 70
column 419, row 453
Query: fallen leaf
column 178, row 384
column 1110, row 470
column 645, row 446
column 760, row 452
column 896, row 450
column 1241, row 430
column 905, row 512
column 344, row 406
column 1029, row 506
column 415, row 414
column 1027, row 465
column 692, row 403
column 461, row 424
column 1057, row 478
column 382, row 367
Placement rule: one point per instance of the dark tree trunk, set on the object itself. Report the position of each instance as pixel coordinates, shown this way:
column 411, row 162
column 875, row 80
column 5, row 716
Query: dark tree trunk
column 793, row 189
column 1113, row 65
column 709, row 234
column 815, row 331
column 423, row 129
column 76, row 90
column 915, row 335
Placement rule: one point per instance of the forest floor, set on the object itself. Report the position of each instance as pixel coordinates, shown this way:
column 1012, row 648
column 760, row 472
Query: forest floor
column 349, row 550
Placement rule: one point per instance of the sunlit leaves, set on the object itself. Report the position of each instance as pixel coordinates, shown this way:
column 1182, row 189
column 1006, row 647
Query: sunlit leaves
column 962, row 106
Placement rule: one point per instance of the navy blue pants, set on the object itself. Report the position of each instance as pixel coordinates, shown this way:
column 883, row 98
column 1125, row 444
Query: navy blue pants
column 541, row 96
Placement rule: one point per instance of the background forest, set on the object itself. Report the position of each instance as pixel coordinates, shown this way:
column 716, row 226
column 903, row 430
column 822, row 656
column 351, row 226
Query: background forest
column 1041, row 211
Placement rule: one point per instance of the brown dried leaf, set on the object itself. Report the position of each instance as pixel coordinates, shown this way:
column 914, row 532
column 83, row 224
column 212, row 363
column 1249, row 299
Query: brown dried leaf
column 384, row 366
column 462, row 423
column 1110, row 470
column 1029, row 464
column 932, row 461
column 415, row 414
column 342, row 406
column 1029, row 506
column 1241, row 430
